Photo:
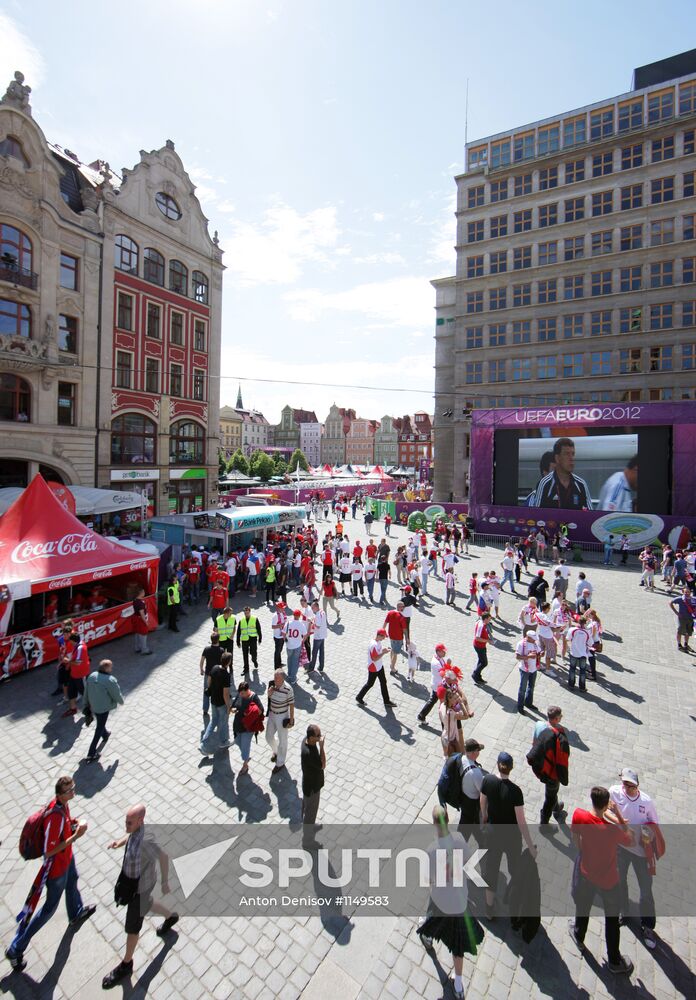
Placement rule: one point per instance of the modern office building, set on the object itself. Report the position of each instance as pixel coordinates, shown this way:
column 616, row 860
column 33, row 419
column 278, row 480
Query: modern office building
column 575, row 263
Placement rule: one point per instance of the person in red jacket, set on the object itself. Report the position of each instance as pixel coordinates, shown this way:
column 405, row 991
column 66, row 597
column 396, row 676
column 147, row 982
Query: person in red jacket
column 79, row 669
column 482, row 637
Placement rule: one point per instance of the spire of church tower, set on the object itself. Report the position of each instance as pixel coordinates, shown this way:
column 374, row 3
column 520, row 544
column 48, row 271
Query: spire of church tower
column 240, row 404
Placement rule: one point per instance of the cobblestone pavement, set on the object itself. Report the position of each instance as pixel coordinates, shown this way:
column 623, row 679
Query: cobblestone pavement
column 640, row 712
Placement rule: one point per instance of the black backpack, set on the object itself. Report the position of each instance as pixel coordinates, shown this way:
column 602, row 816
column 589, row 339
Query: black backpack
column 449, row 784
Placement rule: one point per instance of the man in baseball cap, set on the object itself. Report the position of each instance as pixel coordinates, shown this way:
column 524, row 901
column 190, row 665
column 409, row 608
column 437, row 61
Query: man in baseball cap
column 375, row 670
column 472, row 779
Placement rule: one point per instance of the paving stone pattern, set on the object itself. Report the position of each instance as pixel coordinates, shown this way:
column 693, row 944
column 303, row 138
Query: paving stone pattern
column 381, row 767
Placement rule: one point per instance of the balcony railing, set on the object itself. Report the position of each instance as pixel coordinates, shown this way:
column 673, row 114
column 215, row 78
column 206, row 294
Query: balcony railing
column 18, row 275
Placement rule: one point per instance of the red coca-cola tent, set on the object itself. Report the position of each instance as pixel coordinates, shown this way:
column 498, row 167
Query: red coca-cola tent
column 53, row 567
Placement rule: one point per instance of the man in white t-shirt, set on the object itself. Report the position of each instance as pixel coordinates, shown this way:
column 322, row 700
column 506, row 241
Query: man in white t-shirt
column 526, row 616
column 527, row 655
column 639, row 811
column 579, row 649
column 345, row 569
column 436, row 665
column 295, row 630
column 494, row 593
column 279, row 620
column 375, row 670
column 508, row 565
column 425, row 567
column 319, row 634
column 545, row 635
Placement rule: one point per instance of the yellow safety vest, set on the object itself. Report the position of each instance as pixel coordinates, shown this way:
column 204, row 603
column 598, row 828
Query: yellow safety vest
column 225, row 626
column 173, row 595
column 248, row 627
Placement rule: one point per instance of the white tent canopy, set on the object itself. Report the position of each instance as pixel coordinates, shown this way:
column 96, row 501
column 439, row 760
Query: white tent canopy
column 88, row 500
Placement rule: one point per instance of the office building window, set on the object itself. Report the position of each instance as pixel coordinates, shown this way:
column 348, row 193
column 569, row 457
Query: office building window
column 547, row 291
column 475, row 196
column 522, row 332
column 663, row 149
column 498, row 262
column 689, row 141
column 600, row 283
column 600, row 363
column 571, row 366
column 660, row 106
column 662, row 232
column 124, row 311
column 630, row 362
column 602, row 202
column 499, row 226
column 602, row 164
column 688, row 226
column 474, row 337
column 688, row 184
column 473, row 372
column 522, row 294
column 632, row 156
column 548, row 140
column 474, row 266
column 67, row 400
column 689, row 270
column 573, row 286
column 153, row 327
column 124, row 370
column 474, row 302
column 152, row 375
column 602, row 242
column 572, row 325
column 521, row 258
column 660, row 395
column 496, row 334
column 496, row 370
column 601, row 124
column 631, row 237
column 474, row 231
column 630, row 115
column 524, row 147
column 574, row 171
column 687, row 98
column 661, row 189
column 546, row 329
column 661, row 359
column 477, row 157
column 574, row 209
column 630, row 279
column 574, row 131
column 631, row 197
column 688, row 355
column 574, row 248
column 68, row 271
column 522, row 221
column 500, row 153
column 547, row 366
column 662, row 274
column 689, row 313
column 499, row 190
column 631, row 319
column 497, row 298
column 522, row 184
column 600, row 323
column 548, row 178
column 521, row 369
column 548, row 215
column 662, row 316
column 548, row 252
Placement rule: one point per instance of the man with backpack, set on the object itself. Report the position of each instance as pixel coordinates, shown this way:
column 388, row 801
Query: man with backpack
column 549, row 758
column 50, row 833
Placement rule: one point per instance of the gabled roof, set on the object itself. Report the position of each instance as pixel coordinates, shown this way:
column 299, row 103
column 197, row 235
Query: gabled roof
column 304, row 417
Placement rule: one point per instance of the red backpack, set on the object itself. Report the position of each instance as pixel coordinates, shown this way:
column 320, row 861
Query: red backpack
column 31, row 839
column 548, row 756
column 253, row 719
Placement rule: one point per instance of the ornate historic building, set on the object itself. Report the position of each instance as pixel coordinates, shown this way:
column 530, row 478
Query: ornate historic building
column 110, row 308
column 336, row 430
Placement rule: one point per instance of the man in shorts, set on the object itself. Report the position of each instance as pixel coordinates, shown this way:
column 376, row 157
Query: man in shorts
column 684, row 608
column 395, row 625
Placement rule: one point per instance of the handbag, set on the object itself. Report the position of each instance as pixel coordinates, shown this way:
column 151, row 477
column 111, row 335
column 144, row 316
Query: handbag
column 125, row 890
column 598, row 646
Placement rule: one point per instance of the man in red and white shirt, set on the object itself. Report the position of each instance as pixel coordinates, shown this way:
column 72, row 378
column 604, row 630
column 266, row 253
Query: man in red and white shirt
column 482, row 637
column 579, row 641
column 78, row 667
column 375, row 670
column 436, row 665
column 320, row 631
column 527, row 655
column 544, row 630
column 526, row 617
column 395, row 624
column 278, row 622
column 295, row 631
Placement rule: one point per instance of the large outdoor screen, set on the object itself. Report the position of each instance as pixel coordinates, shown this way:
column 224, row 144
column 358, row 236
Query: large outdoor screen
column 570, row 468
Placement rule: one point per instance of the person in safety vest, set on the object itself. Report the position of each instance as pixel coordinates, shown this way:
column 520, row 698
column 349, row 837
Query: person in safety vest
column 173, row 602
column 225, row 625
column 249, row 637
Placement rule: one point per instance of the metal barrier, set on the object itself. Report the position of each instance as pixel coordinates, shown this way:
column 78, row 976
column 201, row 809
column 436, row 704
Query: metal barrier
column 586, row 551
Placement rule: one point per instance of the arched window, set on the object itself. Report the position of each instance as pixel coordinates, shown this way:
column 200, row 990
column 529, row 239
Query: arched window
column 153, row 267
column 200, row 287
column 15, row 398
column 9, row 146
column 126, row 254
column 15, row 319
column 15, row 249
column 186, row 443
column 167, row 206
column 178, row 277
column 133, row 440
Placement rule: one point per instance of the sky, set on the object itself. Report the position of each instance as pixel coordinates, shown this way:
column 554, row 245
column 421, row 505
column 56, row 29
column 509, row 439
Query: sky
column 323, row 139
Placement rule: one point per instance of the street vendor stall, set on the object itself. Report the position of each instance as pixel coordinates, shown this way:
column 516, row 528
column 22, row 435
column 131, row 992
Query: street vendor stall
column 234, row 528
column 53, row 567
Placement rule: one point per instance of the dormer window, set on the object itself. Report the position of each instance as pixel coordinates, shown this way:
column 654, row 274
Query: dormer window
column 167, row 206
column 9, row 146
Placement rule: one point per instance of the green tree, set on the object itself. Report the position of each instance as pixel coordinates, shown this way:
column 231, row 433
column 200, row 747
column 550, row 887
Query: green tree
column 298, row 458
column 280, row 466
column 238, row 463
column 222, row 463
column 262, row 466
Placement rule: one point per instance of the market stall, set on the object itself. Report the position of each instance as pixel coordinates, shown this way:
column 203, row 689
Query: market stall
column 234, row 528
column 53, row 567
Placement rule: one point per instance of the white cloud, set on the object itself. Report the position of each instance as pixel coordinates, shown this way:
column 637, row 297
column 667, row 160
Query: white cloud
column 226, row 206
column 18, row 52
column 276, row 250
column 444, row 236
column 378, row 216
column 381, row 258
column 396, row 302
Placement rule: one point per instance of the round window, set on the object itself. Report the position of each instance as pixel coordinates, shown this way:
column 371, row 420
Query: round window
column 167, row 206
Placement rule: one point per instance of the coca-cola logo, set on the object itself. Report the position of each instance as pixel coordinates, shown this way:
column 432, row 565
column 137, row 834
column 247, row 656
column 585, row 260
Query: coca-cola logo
column 68, row 545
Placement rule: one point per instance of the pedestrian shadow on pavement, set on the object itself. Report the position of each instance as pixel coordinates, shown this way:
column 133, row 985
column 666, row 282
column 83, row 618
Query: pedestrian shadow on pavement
column 62, row 734
column 576, row 742
column 24, row 986
column 675, row 969
column 610, row 707
column 395, row 730
column 141, row 988
column 611, row 687
column 325, row 685
column 304, row 700
column 333, row 920
column 543, row 963
column 253, row 806
column 615, row 665
column 507, row 703
column 93, row 777
column 285, row 790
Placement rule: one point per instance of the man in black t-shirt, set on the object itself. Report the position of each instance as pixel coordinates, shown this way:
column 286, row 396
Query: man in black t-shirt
column 220, row 701
column 313, row 760
column 210, row 656
column 502, row 811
